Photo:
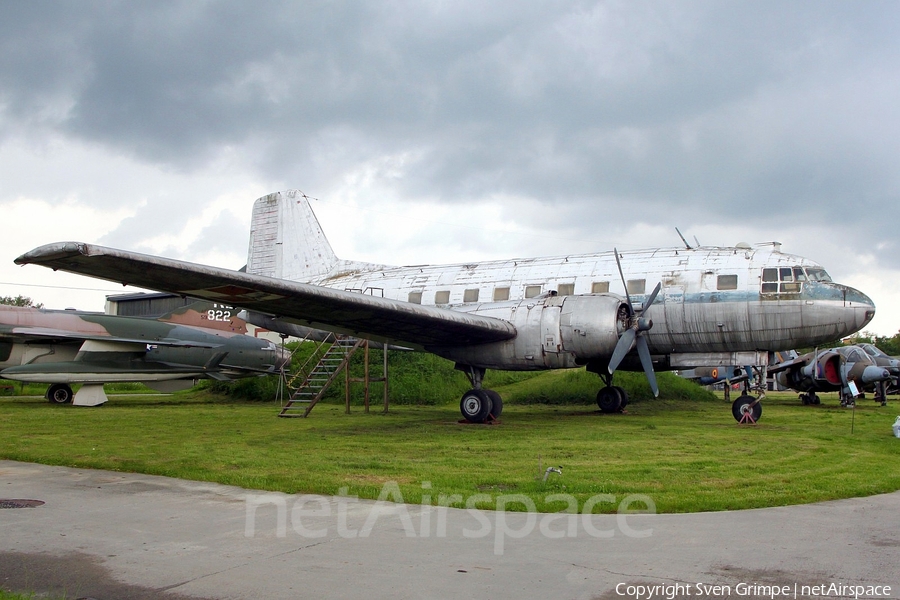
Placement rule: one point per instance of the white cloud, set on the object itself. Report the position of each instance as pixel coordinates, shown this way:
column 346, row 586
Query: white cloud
column 438, row 133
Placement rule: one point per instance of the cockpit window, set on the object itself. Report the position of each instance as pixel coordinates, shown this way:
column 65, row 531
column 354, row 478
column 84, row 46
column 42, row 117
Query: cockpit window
column 783, row 280
column 872, row 350
column 817, row 274
column 852, row 353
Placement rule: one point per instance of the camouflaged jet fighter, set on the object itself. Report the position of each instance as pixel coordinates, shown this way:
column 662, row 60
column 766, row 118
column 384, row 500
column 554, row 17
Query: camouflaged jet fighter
column 64, row 347
column 709, row 305
column 849, row 370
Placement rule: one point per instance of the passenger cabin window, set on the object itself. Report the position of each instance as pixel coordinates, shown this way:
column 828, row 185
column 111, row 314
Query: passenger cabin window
column 501, row 293
column 532, row 290
column 726, row 282
column 470, row 295
column 415, row 297
column 565, row 289
column 636, row 286
column 442, row 297
column 600, row 287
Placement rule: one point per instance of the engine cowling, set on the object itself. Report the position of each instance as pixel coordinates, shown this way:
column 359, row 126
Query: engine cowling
column 552, row 332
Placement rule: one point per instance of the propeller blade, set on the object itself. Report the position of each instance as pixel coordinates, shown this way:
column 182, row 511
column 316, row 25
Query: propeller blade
column 623, row 347
column 647, row 363
column 652, row 297
column 624, row 284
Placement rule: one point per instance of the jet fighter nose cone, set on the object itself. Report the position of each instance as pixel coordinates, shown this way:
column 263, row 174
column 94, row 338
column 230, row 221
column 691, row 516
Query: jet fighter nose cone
column 282, row 357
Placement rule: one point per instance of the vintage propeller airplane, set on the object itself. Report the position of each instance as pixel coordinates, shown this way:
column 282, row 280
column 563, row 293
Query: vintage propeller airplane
column 65, row 347
column 709, row 305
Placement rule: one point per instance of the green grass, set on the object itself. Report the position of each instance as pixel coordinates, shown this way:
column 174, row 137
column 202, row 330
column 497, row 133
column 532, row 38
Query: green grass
column 18, row 596
column 684, row 450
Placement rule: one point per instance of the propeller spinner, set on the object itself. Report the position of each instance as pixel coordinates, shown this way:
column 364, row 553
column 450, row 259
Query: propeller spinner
column 633, row 335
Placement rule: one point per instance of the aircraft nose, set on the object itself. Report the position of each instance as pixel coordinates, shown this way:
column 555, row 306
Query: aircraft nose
column 863, row 305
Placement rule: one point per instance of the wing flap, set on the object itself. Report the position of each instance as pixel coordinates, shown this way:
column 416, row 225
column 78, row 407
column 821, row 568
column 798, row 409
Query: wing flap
column 353, row 313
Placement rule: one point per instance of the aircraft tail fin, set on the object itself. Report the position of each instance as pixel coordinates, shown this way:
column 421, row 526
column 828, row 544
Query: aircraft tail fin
column 286, row 240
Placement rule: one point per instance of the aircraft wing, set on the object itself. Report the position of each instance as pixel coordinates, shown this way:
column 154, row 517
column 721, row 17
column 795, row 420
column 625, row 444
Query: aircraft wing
column 787, row 364
column 48, row 334
column 353, row 313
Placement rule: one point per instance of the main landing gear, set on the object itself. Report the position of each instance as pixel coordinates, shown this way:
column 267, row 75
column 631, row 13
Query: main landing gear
column 810, row 398
column 612, row 398
column 479, row 405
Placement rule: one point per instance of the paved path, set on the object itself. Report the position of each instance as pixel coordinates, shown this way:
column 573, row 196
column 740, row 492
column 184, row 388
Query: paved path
column 111, row 535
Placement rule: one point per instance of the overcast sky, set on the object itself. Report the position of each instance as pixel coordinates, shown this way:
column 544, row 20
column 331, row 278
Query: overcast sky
column 450, row 131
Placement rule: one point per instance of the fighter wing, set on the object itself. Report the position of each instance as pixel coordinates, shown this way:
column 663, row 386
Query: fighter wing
column 315, row 306
column 784, row 365
column 49, row 334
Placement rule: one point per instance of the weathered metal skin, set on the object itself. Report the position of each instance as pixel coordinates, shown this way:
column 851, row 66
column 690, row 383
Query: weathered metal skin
column 691, row 316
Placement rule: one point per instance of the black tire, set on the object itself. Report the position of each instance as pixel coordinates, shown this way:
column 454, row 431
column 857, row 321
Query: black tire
column 623, row 396
column 608, row 400
column 496, row 404
column 59, row 393
column 746, row 404
column 804, row 399
column 475, row 406
column 814, row 399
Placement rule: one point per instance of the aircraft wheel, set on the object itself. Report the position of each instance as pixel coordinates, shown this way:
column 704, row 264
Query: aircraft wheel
column 623, row 395
column 496, row 404
column 59, row 393
column 608, row 400
column 746, row 404
column 475, row 406
column 814, row 399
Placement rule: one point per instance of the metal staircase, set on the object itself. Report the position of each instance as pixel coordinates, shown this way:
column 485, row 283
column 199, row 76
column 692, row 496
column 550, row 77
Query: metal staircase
column 331, row 357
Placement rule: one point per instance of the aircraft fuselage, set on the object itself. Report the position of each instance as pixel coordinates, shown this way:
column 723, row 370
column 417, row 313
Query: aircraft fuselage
column 712, row 299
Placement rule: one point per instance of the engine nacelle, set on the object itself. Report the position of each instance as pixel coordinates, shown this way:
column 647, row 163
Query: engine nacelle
column 552, row 332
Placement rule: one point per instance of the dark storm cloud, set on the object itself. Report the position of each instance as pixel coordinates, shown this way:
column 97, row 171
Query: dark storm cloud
column 723, row 108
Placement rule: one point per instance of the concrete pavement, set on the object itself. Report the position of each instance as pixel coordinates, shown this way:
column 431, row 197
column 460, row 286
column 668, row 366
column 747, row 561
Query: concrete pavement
column 110, row 535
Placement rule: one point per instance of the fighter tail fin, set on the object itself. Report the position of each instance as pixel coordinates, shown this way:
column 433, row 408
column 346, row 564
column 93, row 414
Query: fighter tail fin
column 208, row 315
column 286, row 240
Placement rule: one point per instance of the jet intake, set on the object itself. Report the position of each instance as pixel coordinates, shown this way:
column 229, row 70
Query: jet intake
column 825, row 367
